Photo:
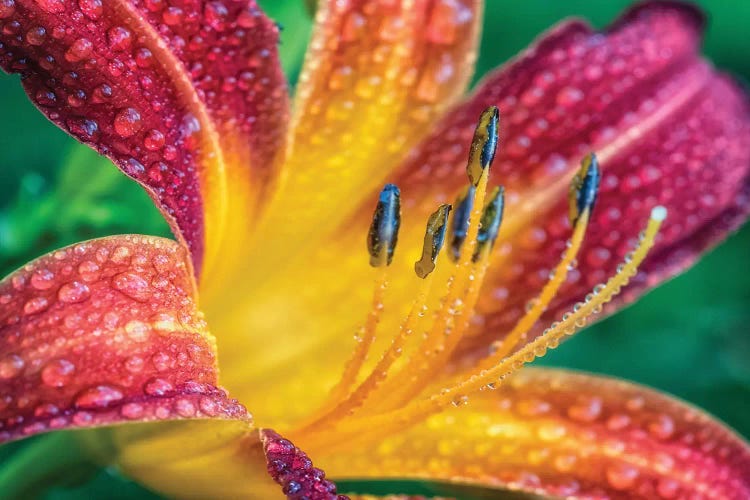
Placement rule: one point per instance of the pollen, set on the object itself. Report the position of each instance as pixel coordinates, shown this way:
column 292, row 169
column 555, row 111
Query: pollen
column 400, row 388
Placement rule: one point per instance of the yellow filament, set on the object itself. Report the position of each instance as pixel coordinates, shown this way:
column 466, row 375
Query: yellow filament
column 364, row 342
column 541, row 302
column 384, row 364
column 483, row 378
column 413, row 377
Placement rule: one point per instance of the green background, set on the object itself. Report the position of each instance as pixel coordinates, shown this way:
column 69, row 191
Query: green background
column 689, row 337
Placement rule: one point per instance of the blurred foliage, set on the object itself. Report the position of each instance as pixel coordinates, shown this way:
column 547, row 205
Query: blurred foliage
column 689, row 337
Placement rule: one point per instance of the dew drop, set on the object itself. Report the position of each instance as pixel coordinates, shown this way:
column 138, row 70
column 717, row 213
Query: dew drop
column 216, row 15
column 157, row 387
column 10, row 366
column 132, row 411
column 7, row 8
column 91, row 8
column 121, row 255
column 35, row 305
column 119, row 38
column 134, row 364
column 57, row 373
column 35, row 36
column 569, row 96
column 132, row 285
column 154, row 140
column 127, row 122
column 185, row 408
column 621, row 476
column 88, row 270
column 137, row 330
column 73, row 292
column 52, row 6
column 98, row 396
column 43, row 279
column 79, row 51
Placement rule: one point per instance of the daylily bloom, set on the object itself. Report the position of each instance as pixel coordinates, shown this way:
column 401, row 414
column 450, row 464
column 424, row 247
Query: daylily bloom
column 270, row 210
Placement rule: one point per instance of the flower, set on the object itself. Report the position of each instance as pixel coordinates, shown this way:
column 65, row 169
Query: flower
column 269, row 213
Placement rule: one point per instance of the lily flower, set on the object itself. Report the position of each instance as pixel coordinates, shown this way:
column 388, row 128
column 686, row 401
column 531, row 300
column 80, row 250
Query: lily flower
column 121, row 338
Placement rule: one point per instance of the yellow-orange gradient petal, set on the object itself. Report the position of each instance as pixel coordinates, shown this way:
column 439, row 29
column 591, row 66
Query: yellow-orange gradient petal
column 564, row 434
column 105, row 333
column 377, row 72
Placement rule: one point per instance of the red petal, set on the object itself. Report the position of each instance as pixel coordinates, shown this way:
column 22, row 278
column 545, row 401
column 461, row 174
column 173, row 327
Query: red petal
column 175, row 93
column 293, row 470
column 103, row 332
column 668, row 130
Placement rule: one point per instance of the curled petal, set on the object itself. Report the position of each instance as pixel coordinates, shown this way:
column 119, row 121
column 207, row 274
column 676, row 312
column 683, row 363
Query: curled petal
column 182, row 97
column 107, row 332
column 565, row 434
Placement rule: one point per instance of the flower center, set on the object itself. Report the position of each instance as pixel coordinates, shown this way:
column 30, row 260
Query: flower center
column 399, row 390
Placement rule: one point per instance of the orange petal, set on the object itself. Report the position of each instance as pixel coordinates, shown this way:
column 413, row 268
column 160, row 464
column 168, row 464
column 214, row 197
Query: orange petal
column 376, row 73
column 186, row 98
column 564, row 434
column 106, row 332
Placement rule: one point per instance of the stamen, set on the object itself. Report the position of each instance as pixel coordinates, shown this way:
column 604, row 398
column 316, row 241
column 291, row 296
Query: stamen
column 583, row 191
column 464, row 205
column 383, row 235
column 433, row 243
column 584, row 188
column 434, row 237
column 571, row 322
column 381, row 244
column 479, row 379
column 484, row 144
column 489, row 226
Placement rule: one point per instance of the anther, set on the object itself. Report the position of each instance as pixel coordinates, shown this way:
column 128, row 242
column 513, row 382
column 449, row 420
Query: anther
column 383, row 234
column 459, row 227
column 484, row 144
column 584, row 187
column 434, row 237
column 489, row 227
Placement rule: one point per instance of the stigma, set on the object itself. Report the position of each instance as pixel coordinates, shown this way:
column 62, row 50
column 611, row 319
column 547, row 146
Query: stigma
column 399, row 387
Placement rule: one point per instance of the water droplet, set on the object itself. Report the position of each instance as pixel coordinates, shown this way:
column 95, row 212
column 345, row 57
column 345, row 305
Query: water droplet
column 216, row 15
column 134, row 364
column 43, row 279
column 157, row 387
column 7, row 8
column 185, row 408
column 57, row 373
column 98, row 396
column 172, row 16
column 119, row 38
column 569, row 96
column 137, row 330
column 79, row 51
column 132, row 285
column 586, row 410
column 73, row 292
column 154, row 140
column 10, row 366
column 88, row 270
column 162, row 361
column 91, row 8
column 35, row 36
column 35, row 305
column 127, row 122
column 52, row 6
column 144, row 59
column 132, row 411
column 622, row 476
